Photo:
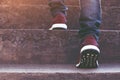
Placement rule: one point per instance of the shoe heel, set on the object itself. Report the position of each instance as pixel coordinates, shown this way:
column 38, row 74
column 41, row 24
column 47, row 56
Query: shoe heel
column 89, row 59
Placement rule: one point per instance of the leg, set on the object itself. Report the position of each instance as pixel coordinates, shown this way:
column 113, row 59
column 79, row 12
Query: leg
column 90, row 21
column 58, row 11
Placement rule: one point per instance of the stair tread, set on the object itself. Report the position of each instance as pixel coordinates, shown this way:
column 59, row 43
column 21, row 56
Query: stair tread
column 57, row 68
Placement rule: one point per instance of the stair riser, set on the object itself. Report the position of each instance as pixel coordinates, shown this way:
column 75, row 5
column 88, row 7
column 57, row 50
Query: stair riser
column 52, row 47
column 59, row 76
column 31, row 15
column 109, row 45
column 36, row 2
column 34, row 17
column 113, row 3
column 67, row 2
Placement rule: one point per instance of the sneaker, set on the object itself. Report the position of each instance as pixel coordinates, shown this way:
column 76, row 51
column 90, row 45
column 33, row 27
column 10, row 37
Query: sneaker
column 89, row 53
column 59, row 22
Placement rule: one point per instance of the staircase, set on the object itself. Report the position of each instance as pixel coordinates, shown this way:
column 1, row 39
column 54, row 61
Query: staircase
column 29, row 51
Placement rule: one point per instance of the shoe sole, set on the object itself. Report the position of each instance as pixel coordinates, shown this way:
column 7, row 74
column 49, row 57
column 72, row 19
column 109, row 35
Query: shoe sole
column 89, row 59
column 59, row 29
column 58, row 26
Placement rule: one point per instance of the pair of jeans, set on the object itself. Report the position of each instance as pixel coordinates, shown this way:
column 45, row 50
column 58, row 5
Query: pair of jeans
column 90, row 15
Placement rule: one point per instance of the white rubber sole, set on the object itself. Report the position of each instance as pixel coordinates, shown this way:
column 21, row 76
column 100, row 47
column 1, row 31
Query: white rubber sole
column 58, row 25
column 87, row 47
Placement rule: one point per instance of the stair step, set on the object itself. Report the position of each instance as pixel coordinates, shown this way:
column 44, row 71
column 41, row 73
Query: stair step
column 106, row 3
column 109, row 3
column 36, row 2
column 39, row 46
column 32, row 17
column 29, row 14
column 58, row 72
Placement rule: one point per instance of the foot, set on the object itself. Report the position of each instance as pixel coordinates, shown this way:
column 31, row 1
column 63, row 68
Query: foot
column 89, row 53
column 59, row 22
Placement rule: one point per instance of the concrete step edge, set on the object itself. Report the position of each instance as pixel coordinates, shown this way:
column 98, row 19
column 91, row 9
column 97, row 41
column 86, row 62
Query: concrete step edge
column 59, row 30
column 57, row 68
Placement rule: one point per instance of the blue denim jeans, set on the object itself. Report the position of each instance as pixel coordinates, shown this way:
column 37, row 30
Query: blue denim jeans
column 90, row 15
